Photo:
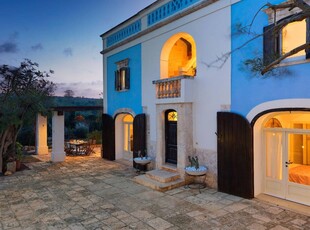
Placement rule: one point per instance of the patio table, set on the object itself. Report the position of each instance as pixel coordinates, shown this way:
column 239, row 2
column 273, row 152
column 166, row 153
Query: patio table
column 77, row 146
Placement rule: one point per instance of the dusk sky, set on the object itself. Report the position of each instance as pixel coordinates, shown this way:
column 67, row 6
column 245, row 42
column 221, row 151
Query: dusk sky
column 64, row 36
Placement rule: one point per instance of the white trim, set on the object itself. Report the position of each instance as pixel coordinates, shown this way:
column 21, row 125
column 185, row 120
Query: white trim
column 278, row 104
column 124, row 111
column 258, row 140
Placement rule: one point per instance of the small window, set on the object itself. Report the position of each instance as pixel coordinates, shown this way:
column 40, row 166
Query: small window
column 292, row 36
column 122, row 76
column 172, row 116
column 273, row 123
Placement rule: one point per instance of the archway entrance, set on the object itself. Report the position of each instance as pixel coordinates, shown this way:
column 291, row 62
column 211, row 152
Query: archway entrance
column 286, row 156
column 124, row 136
column 128, row 136
column 171, row 121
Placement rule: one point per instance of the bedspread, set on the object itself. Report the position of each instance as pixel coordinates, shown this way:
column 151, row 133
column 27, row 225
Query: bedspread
column 300, row 174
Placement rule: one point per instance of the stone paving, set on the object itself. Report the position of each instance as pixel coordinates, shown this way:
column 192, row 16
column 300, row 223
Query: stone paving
column 92, row 193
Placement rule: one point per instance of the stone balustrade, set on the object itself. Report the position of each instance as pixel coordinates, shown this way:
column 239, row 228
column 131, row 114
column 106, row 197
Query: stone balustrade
column 170, row 87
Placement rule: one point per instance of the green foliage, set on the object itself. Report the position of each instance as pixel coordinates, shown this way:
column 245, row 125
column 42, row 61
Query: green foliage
column 257, row 65
column 19, row 151
column 24, row 92
column 95, row 135
column 81, row 132
column 26, row 135
column 76, row 101
column 194, row 162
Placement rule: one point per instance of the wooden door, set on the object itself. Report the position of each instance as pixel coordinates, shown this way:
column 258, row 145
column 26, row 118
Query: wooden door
column 139, row 135
column 171, row 138
column 235, row 155
column 108, row 137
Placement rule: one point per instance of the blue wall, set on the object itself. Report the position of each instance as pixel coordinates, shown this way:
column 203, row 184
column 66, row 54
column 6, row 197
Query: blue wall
column 248, row 90
column 125, row 99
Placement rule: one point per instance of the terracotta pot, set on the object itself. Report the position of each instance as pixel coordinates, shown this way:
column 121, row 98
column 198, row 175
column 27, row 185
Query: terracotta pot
column 18, row 165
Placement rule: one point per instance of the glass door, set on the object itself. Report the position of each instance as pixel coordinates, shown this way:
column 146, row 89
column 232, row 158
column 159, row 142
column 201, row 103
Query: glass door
column 287, row 164
column 128, row 137
column 274, row 176
column 298, row 167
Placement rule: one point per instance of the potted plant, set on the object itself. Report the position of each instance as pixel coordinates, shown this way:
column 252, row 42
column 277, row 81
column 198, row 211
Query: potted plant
column 19, row 155
column 142, row 159
column 195, row 169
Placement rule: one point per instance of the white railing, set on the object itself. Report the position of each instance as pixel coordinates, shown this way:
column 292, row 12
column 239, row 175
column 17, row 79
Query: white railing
column 170, row 87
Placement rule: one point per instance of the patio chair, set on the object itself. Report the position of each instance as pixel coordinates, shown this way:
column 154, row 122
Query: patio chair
column 69, row 150
column 88, row 148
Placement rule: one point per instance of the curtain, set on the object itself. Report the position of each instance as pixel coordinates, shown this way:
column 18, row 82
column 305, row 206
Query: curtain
column 274, row 155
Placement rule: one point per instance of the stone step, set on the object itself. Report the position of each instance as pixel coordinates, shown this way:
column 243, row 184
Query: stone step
column 162, row 176
column 169, row 167
column 156, row 185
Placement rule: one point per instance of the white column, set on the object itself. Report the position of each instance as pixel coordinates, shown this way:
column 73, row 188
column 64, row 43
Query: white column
column 41, row 135
column 58, row 136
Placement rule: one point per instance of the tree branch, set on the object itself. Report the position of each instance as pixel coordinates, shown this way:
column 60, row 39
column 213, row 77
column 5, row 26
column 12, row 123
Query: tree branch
column 288, row 54
column 297, row 17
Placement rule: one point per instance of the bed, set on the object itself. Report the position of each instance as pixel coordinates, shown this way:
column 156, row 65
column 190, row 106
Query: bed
column 299, row 174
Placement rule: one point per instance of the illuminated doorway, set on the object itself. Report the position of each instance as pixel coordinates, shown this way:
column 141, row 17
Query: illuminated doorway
column 287, row 157
column 124, row 136
column 128, row 136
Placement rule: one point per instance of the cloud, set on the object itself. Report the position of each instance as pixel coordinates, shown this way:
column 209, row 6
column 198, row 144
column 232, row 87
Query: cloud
column 81, row 89
column 8, row 47
column 68, row 52
column 37, row 47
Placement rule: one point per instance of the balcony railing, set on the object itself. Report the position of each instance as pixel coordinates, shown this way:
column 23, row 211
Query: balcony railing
column 177, row 87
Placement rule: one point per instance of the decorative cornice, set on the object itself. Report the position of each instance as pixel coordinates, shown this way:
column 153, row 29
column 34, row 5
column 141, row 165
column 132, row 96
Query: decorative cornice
column 161, row 24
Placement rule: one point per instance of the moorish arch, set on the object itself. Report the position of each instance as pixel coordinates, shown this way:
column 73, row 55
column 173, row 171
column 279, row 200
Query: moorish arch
column 178, row 56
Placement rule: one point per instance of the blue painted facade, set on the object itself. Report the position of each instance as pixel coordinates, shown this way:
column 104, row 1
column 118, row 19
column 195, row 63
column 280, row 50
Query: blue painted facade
column 124, row 33
column 248, row 89
column 129, row 99
column 159, row 14
column 168, row 9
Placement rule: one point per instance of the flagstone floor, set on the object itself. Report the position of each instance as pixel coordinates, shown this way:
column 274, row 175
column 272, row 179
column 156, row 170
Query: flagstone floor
column 92, row 193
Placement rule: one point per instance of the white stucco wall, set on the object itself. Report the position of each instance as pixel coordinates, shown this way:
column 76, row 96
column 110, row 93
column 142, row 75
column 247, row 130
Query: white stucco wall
column 211, row 88
column 210, row 28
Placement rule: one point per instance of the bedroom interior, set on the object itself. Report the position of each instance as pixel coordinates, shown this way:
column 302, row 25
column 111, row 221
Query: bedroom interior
column 287, row 139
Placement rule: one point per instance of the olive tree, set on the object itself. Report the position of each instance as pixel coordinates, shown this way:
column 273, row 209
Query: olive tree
column 24, row 92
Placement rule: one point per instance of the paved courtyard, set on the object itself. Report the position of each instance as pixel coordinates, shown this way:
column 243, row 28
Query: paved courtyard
column 92, row 193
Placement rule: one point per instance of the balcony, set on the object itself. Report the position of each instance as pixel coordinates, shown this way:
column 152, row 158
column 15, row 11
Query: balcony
column 174, row 90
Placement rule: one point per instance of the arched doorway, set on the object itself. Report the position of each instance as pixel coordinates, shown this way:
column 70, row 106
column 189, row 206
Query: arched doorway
column 171, row 123
column 286, row 155
column 178, row 56
column 124, row 137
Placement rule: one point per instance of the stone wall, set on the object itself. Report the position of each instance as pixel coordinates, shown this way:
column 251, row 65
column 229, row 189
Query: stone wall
column 209, row 159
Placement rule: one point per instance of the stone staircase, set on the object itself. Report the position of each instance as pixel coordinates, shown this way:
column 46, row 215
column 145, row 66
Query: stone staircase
column 161, row 180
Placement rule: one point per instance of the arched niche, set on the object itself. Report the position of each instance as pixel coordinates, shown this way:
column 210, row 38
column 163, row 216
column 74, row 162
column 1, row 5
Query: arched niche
column 178, row 56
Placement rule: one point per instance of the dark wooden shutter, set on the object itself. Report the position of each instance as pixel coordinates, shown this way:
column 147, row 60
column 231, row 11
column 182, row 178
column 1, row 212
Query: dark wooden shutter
column 307, row 36
column 117, row 80
column 139, row 135
column 271, row 44
column 127, row 78
column 108, row 137
column 235, row 155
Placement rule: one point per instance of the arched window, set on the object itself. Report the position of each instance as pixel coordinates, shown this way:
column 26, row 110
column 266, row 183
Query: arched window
column 273, row 123
column 178, row 57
